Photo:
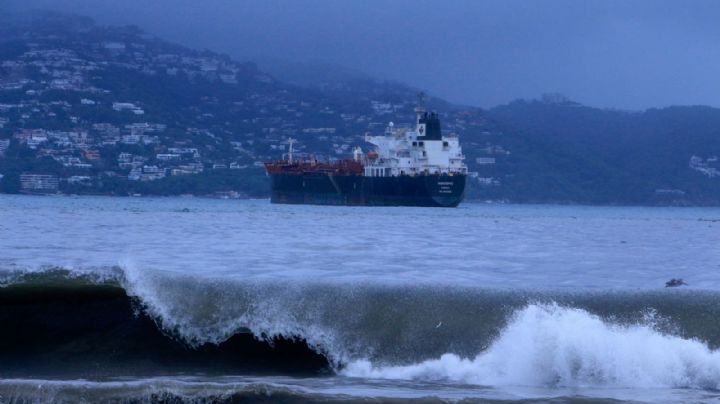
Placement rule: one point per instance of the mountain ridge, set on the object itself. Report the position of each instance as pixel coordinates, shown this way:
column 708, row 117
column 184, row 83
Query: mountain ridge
column 112, row 110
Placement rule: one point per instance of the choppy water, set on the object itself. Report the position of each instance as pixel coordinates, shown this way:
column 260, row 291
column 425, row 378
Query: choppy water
column 158, row 299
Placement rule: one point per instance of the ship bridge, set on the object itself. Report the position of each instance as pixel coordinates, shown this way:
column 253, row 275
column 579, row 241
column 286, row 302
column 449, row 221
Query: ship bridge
column 423, row 150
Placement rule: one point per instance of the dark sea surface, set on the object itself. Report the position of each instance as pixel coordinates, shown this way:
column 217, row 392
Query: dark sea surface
column 201, row 300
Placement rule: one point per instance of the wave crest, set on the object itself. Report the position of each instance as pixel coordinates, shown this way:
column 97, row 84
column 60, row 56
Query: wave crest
column 550, row 345
column 606, row 339
column 213, row 310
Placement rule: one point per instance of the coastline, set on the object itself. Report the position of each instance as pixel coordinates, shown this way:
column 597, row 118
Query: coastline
column 244, row 196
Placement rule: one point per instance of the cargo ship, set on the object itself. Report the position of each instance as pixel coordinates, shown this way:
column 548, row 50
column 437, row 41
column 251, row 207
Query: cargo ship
column 417, row 166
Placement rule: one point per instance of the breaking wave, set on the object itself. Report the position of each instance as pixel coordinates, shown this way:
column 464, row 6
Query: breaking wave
column 126, row 321
column 549, row 345
column 73, row 324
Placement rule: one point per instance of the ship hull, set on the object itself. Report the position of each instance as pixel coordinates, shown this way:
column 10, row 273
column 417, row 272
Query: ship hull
column 358, row 190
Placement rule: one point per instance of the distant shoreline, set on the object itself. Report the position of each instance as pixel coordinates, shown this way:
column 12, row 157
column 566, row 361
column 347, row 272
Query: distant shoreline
column 467, row 200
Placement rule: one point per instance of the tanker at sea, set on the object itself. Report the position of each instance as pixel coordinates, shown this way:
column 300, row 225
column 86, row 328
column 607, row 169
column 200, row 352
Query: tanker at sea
column 407, row 167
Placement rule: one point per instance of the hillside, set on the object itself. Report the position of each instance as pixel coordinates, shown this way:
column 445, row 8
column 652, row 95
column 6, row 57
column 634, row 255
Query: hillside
column 88, row 109
column 583, row 154
column 112, row 110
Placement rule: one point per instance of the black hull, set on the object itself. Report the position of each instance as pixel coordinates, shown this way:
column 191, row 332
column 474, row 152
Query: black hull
column 356, row 190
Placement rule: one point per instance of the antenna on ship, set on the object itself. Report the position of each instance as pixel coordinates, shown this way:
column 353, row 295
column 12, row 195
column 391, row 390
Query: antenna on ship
column 290, row 149
column 420, row 108
column 357, row 153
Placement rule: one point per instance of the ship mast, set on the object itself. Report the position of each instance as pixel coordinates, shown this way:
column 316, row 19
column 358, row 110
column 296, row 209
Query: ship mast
column 290, row 149
column 420, row 108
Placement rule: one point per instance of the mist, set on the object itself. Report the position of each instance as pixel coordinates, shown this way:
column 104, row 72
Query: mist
column 614, row 54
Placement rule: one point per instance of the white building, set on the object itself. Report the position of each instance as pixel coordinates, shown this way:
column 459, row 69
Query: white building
column 39, row 183
column 485, row 160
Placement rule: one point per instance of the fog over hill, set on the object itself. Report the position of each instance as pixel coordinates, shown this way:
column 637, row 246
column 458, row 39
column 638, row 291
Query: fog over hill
column 614, row 53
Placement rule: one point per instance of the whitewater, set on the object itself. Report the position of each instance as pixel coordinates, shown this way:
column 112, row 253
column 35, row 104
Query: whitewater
column 218, row 300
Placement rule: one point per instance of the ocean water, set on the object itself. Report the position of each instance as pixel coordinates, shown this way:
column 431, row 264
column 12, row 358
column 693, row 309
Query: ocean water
column 199, row 300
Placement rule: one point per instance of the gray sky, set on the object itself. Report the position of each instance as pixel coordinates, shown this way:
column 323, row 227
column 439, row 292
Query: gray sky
column 622, row 54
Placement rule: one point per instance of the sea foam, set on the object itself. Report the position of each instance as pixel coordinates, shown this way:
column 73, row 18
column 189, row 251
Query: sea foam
column 554, row 346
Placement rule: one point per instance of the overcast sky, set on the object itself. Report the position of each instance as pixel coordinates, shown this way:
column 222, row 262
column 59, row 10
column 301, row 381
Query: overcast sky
column 621, row 54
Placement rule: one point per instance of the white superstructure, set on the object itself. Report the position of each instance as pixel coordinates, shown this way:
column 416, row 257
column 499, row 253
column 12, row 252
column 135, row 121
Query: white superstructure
column 423, row 151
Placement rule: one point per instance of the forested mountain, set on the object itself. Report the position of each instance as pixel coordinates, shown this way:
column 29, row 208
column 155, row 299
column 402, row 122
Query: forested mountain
column 583, row 154
column 111, row 110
